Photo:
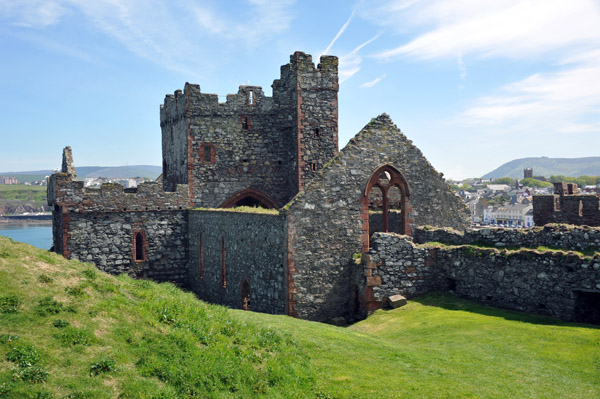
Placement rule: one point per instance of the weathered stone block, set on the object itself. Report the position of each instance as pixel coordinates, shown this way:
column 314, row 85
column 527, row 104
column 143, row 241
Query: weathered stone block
column 396, row 301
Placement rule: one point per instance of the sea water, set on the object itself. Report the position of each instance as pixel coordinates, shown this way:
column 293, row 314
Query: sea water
column 37, row 235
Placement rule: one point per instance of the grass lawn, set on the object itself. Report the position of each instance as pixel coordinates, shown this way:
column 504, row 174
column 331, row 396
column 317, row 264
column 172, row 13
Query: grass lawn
column 70, row 331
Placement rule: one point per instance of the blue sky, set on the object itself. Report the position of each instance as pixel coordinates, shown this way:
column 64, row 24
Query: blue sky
column 473, row 83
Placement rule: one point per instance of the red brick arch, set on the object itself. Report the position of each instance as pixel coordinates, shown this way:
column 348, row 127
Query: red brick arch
column 262, row 198
column 396, row 179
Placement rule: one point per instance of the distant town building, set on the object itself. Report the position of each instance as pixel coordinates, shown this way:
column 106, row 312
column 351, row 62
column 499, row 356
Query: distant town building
column 8, row 180
column 528, row 173
column 509, row 215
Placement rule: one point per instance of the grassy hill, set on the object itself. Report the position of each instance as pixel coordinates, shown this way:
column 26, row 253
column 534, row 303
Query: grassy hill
column 70, row 331
column 544, row 166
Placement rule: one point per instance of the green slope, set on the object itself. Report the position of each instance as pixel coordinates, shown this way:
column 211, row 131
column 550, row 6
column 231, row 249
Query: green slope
column 589, row 166
column 97, row 336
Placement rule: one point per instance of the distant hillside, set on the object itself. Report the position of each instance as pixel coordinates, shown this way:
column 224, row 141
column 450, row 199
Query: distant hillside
column 544, row 166
column 149, row 171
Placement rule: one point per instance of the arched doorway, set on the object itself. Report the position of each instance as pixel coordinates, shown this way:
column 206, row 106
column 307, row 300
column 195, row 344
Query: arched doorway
column 250, row 197
column 245, row 294
column 384, row 203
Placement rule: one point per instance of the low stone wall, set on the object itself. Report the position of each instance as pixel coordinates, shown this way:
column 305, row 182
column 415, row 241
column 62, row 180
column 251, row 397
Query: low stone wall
column 393, row 265
column 249, row 247
column 107, row 240
column 568, row 237
column 555, row 283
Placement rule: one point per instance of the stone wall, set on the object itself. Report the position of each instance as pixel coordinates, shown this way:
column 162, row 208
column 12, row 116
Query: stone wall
column 107, row 240
column 393, row 265
column 555, row 283
column 267, row 144
column 568, row 237
column 247, row 246
column 328, row 221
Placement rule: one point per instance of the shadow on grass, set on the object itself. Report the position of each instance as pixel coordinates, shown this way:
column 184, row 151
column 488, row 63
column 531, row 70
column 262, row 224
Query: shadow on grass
column 450, row 302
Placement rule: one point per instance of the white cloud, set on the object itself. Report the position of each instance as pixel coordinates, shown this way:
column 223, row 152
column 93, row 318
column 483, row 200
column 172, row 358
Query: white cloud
column 350, row 63
column 340, row 32
column 555, row 100
column 32, row 13
column 506, row 28
column 171, row 34
column 373, row 82
column 563, row 35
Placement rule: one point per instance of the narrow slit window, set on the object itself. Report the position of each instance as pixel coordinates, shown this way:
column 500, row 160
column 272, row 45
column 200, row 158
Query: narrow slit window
column 223, row 265
column 251, row 97
column 317, row 132
column 207, row 153
column 139, row 251
column 245, row 123
column 200, row 260
column 313, row 167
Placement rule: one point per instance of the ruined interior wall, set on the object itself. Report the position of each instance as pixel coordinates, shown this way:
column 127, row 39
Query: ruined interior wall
column 254, row 248
column 571, row 209
column 567, row 237
column 525, row 280
column 107, row 240
column 326, row 225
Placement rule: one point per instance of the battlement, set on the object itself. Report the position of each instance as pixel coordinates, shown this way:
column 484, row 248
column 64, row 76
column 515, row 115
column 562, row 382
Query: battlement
column 300, row 72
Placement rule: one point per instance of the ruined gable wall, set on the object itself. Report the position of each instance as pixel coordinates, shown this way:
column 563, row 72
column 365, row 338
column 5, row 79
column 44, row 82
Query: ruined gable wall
column 526, row 280
column 252, row 246
column 326, row 224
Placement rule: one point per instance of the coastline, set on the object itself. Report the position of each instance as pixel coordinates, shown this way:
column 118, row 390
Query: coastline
column 29, row 221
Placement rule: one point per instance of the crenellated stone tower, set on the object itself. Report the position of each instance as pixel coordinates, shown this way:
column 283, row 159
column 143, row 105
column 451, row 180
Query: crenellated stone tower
column 252, row 149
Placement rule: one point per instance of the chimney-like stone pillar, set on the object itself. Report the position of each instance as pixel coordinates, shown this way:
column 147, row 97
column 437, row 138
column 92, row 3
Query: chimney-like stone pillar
column 67, row 162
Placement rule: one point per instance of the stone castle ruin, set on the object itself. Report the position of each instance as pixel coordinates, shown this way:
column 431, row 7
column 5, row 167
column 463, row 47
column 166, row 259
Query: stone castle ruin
column 327, row 247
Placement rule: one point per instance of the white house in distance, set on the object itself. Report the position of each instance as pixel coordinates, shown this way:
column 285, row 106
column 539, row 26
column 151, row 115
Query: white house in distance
column 509, row 215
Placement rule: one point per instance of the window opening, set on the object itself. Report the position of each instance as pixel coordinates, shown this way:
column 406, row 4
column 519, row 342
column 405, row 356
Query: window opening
column 207, row 153
column 587, row 307
column 251, row 97
column 245, row 122
column 313, row 167
column 200, row 260
column 245, row 294
column 223, row 265
column 317, row 132
column 138, row 247
column 384, row 203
